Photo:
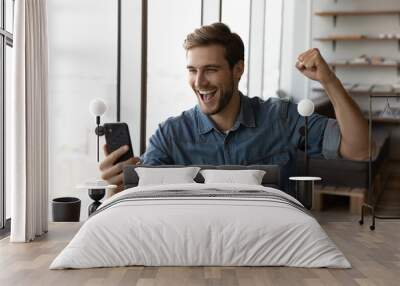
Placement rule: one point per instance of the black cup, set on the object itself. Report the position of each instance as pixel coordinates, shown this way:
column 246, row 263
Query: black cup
column 66, row 209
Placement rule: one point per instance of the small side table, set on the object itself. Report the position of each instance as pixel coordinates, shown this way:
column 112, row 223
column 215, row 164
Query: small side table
column 305, row 189
column 96, row 191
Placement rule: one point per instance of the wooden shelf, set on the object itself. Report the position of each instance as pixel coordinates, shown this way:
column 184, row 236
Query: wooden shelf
column 366, row 93
column 358, row 38
column 355, row 38
column 366, row 65
column 336, row 14
column 357, row 13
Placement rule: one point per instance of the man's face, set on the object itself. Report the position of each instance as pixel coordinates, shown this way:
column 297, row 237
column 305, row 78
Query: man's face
column 210, row 77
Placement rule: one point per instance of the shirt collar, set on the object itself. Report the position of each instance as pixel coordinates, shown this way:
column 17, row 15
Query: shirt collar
column 246, row 114
column 245, row 117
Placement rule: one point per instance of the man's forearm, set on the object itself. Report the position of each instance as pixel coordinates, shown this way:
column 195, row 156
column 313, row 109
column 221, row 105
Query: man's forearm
column 353, row 125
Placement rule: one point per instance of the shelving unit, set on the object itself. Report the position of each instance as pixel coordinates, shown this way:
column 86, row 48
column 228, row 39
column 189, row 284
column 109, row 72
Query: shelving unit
column 388, row 35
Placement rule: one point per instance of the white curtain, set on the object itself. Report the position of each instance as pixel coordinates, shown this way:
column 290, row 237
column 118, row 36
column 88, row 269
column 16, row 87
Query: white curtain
column 28, row 116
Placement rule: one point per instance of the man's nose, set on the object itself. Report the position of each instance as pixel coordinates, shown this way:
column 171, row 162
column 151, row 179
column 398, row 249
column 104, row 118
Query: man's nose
column 201, row 80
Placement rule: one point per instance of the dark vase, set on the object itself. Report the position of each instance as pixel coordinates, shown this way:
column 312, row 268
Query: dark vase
column 66, row 209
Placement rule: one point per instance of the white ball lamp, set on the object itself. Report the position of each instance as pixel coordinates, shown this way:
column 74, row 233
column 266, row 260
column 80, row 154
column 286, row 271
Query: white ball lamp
column 305, row 108
column 97, row 108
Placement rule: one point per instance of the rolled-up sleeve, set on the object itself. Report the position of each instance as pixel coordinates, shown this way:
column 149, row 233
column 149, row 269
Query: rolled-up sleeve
column 331, row 141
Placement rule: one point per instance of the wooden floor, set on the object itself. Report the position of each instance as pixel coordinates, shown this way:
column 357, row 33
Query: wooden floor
column 374, row 255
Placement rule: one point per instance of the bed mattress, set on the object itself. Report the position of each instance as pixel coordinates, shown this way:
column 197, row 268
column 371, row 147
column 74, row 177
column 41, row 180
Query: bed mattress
column 201, row 225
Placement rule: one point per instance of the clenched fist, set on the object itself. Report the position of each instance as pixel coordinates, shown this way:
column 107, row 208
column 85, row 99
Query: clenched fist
column 312, row 65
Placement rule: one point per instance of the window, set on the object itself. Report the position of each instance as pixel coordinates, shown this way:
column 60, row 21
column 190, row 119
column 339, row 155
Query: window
column 6, row 43
column 82, row 67
column 272, row 47
column 236, row 14
column 168, row 92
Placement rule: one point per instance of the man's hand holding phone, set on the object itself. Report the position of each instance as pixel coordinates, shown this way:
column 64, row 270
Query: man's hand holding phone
column 112, row 171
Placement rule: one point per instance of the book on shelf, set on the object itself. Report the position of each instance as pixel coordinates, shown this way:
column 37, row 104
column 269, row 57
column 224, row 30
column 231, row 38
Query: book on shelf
column 396, row 86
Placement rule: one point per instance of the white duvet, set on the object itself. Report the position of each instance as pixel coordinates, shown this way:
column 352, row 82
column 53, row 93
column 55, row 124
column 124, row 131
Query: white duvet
column 183, row 231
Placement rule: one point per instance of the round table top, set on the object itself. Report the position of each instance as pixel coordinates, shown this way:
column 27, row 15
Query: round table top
column 96, row 185
column 305, row 178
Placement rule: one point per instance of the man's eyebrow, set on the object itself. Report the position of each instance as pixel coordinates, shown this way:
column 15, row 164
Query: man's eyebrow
column 206, row 66
column 212, row 66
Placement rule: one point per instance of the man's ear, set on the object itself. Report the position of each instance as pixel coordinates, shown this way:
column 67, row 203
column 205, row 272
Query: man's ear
column 238, row 70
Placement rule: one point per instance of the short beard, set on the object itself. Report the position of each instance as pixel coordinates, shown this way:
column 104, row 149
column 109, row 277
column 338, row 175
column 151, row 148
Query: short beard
column 224, row 100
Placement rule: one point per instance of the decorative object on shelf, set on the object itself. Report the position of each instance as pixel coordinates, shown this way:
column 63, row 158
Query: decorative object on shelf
column 358, row 37
column 97, row 108
column 366, row 61
column 389, row 112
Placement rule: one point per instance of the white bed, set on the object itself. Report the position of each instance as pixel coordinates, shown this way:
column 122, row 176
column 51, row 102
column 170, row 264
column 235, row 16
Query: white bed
column 249, row 226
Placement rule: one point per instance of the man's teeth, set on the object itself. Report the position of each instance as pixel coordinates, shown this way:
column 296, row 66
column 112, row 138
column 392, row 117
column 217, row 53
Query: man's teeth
column 207, row 94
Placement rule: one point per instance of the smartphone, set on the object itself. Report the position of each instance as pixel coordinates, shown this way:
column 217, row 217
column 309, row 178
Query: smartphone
column 117, row 135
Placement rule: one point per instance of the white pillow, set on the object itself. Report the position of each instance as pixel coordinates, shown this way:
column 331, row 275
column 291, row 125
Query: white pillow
column 165, row 176
column 248, row 177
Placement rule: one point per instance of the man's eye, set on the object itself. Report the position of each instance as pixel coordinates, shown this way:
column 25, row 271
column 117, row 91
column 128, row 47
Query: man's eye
column 212, row 70
column 192, row 71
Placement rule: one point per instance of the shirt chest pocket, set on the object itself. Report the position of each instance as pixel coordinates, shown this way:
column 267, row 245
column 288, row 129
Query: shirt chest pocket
column 281, row 158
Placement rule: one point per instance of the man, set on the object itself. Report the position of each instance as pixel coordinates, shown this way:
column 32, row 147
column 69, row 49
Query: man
column 227, row 127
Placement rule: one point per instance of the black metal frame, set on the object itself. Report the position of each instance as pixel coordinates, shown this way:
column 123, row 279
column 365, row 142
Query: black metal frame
column 2, row 127
column 371, row 199
column 6, row 39
column 118, row 62
column 143, row 86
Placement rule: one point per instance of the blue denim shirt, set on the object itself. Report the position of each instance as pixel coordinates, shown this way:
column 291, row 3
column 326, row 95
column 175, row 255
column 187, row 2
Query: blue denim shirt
column 265, row 132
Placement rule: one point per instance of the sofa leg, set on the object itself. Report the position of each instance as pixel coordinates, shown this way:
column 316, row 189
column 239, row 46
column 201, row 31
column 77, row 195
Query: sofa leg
column 356, row 204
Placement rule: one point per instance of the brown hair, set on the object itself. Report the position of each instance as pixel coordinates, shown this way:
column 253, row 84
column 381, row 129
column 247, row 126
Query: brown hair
column 217, row 33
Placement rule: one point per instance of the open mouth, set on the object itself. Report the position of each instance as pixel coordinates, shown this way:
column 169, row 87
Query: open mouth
column 207, row 95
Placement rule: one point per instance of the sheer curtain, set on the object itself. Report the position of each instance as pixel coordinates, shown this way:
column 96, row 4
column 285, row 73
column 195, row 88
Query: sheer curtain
column 28, row 116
